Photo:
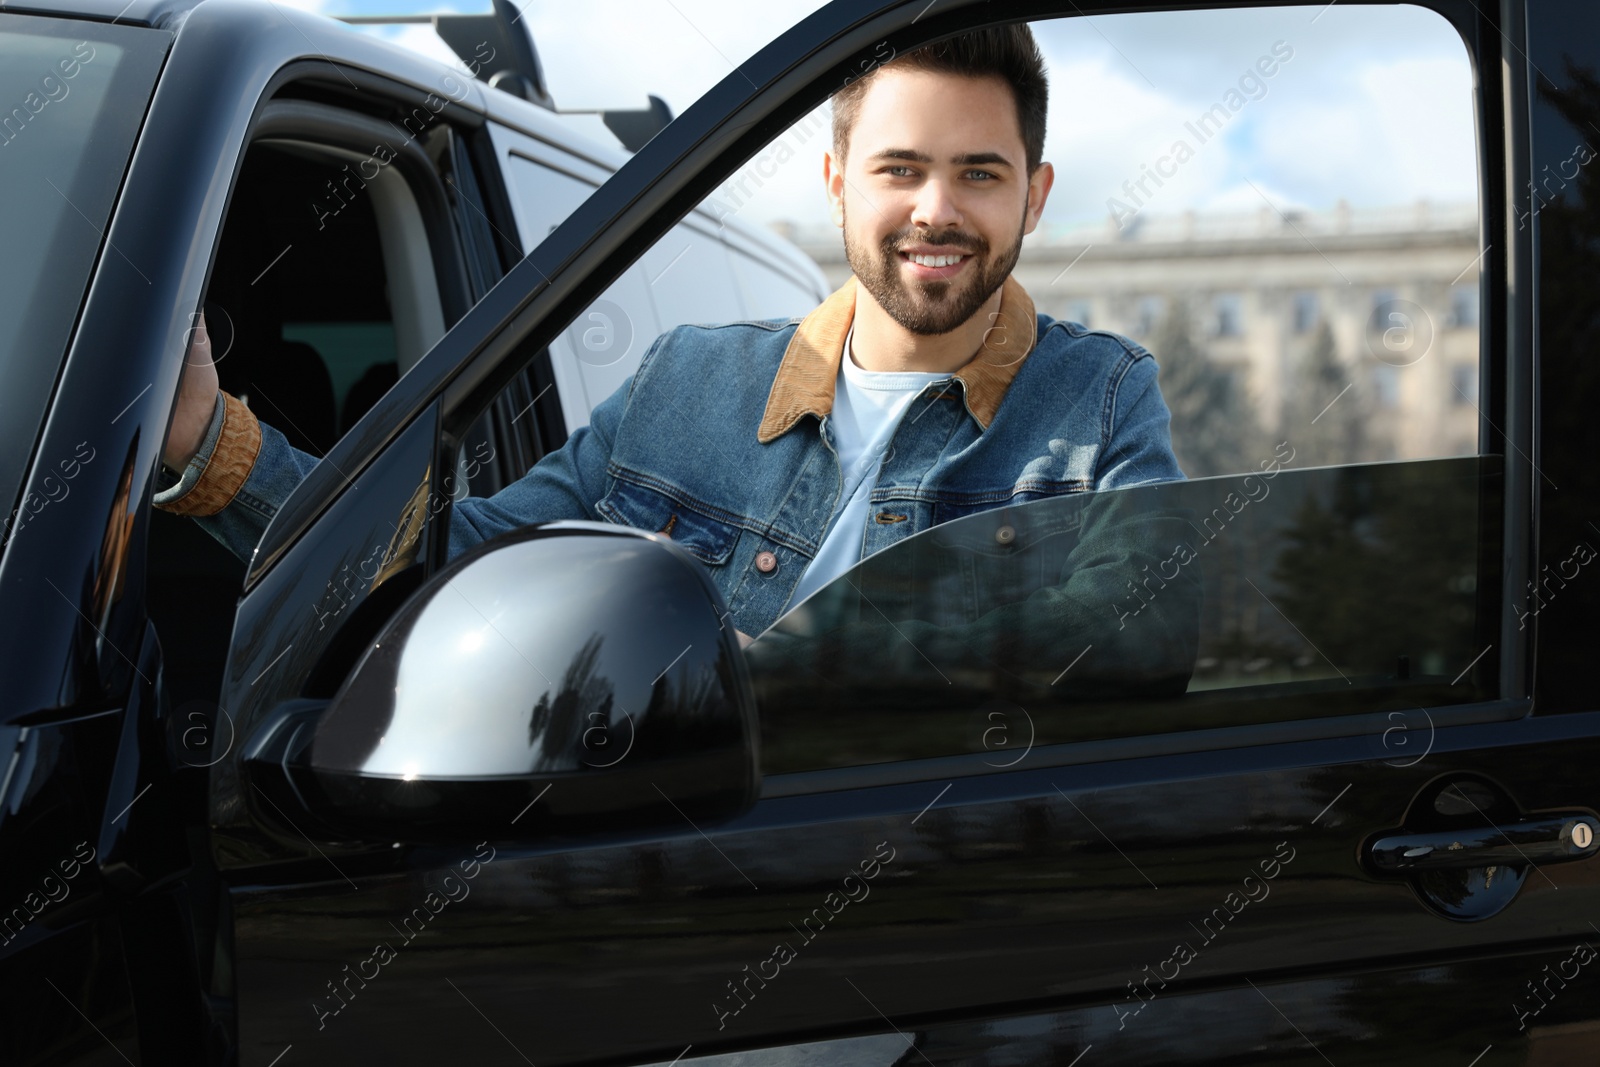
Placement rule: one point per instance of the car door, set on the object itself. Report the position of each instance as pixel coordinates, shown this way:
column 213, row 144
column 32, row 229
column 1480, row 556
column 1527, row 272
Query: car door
column 982, row 840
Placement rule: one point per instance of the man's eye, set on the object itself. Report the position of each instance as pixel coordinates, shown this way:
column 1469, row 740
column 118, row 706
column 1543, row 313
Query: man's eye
column 899, row 171
column 980, row 174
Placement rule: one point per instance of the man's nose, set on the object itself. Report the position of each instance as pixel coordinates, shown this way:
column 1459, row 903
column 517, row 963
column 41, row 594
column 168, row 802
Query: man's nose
column 935, row 208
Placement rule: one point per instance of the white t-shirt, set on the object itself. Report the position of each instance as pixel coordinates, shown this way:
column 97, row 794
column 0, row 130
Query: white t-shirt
column 867, row 406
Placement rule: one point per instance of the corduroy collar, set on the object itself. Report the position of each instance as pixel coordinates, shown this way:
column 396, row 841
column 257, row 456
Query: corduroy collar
column 805, row 379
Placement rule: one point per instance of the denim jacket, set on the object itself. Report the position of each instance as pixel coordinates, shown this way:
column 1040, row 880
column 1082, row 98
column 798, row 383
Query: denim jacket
column 721, row 441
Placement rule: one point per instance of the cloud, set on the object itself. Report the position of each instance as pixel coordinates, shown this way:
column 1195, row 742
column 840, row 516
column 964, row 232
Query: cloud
column 1375, row 107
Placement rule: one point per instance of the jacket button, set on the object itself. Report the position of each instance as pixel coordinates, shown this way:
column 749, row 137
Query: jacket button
column 1005, row 535
column 766, row 562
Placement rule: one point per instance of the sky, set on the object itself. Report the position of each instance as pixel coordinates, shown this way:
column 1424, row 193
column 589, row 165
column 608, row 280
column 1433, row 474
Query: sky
column 1368, row 104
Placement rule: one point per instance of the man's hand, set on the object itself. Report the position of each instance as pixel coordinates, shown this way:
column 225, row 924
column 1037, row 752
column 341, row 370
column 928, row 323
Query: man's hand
column 197, row 398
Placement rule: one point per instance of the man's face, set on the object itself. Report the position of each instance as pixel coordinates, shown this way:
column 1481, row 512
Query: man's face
column 935, row 197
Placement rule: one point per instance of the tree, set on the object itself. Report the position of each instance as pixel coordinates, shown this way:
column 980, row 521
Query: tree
column 1326, row 409
column 1379, row 563
column 1215, row 429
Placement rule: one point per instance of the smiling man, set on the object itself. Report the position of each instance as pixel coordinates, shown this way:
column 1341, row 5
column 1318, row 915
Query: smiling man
column 782, row 452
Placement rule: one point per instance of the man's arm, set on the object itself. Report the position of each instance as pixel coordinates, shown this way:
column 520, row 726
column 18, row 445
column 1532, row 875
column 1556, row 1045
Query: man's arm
column 565, row 484
column 1139, row 447
column 236, row 471
column 237, row 479
column 232, row 472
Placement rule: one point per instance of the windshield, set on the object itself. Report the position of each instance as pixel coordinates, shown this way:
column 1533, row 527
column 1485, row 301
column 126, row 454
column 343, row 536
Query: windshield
column 72, row 95
column 1187, row 605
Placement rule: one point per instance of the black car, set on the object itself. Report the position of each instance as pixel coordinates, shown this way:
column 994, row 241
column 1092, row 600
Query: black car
column 1359, row 830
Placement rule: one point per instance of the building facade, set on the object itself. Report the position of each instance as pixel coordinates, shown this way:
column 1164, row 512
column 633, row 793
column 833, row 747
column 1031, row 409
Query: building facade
column 1397, row 289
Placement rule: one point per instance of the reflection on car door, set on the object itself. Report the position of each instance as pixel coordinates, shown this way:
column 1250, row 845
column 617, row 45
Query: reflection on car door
column 996, row 899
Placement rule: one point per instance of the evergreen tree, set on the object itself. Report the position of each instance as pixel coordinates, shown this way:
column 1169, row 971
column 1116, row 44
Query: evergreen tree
column 1214, row 425
column 1324, row 435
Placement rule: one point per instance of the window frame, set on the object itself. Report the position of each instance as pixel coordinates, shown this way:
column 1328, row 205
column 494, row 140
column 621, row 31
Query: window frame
column 1504, row 377
column 667, row 178
column 334, row 126
column 299, row 104
column 1503, row 363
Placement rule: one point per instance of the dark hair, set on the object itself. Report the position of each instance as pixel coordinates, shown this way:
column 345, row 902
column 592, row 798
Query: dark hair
column 1006, row 52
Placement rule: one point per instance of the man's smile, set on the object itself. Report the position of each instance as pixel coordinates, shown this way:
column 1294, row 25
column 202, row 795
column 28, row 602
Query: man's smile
column 928, row 263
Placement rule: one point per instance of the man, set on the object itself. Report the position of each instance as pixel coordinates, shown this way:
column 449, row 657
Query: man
column 781, row 453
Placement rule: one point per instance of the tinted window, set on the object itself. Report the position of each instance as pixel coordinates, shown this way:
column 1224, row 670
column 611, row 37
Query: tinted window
column 1215, row 199
column 1558, row 205
column 1179, row 606
column 305, row 309
column 71, row 98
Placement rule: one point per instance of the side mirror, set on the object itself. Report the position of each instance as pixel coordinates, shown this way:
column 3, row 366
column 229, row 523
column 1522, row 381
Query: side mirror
column 570, row 677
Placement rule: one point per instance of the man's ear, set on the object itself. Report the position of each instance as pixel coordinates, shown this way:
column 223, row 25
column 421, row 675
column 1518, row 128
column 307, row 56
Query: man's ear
column 1038, row 192
column 833, row 183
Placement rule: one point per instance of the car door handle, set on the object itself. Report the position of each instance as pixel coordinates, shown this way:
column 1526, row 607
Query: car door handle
column 1546, row 839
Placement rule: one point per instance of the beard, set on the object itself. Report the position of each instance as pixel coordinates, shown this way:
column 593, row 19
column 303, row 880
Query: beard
column 932, row 307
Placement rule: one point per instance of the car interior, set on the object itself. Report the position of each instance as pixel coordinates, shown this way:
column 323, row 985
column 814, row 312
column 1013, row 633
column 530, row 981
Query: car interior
column 323, row 293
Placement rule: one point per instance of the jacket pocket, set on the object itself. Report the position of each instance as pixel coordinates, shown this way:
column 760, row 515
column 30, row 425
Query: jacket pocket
column 629, row 504
column 1009, row 525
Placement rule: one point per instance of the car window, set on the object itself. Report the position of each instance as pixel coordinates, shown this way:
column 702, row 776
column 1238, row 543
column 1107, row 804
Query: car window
column 1318, row 323
column 325, row 289
column 72, row 94
column 1560, row 214
column 543, row 195
column 1285, row 213
column 769, row 293
column 1289, row 285
column 1277, row 595
column 702, row 271
column 1319, row 330
column 336, row 270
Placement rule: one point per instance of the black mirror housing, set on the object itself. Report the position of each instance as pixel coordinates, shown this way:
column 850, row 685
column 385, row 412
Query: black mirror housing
column 565, row 678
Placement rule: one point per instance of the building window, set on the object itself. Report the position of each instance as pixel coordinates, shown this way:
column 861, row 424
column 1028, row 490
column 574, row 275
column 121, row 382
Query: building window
column 1464, row 385
column 1150, row 310
column 1381, row 297
column 1229, row 309
column 1464, row 305
column 1307, row 310
column 1078, row 311
column 1386, row 386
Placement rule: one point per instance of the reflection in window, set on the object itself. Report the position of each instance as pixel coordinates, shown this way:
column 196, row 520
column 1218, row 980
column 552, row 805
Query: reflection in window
column 1305, row 313
column 1079, row 311
column 1386, row 386
column 1214, row 427
column 1285, row 594
column 1148, row 313
column 1229, row 311
column 1464, row 385
column 1464, row 306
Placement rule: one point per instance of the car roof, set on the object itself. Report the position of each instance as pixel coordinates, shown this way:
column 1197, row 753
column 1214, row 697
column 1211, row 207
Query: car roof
column 569, row 133
column 160, row 13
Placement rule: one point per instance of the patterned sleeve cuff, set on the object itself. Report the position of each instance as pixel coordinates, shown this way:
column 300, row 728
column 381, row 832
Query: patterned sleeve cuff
column 219, row 469
column 190, row 474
